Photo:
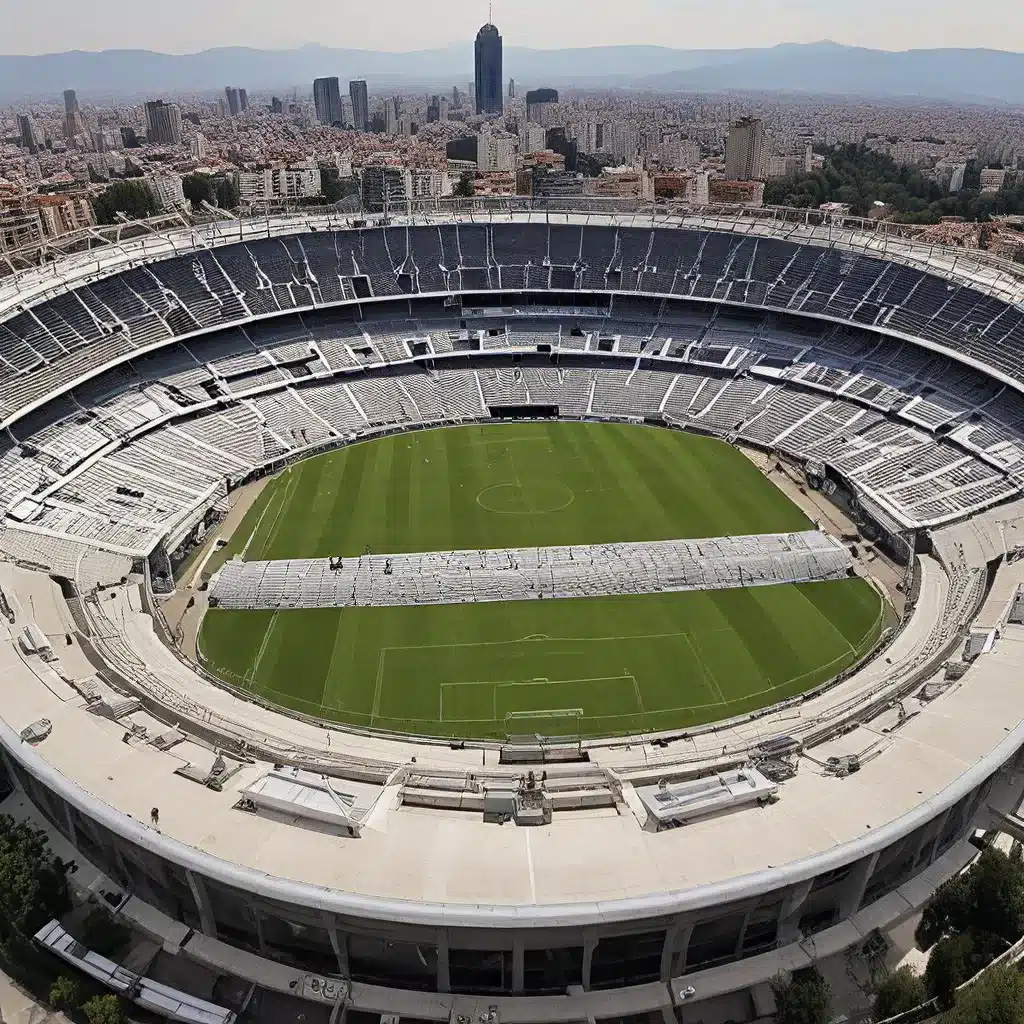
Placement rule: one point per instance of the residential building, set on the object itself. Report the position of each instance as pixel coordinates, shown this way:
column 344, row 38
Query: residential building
column 27, row 135
column 736, row 193
column 393, row 116
column 276, row 106
column 496, row 183
column 621, row 140
column 163, row 123
column 198, row 147
column 956, row 180
column 19, row 228
column 532, row 138
column 545, row 158
column 167, row 191
column 540, row 103
column 360, row 105
column 382, row 187
column 744, row 150
column 280, row 184
column 488, row 65
column 546, row 184
column 495, row 152
column 60, row 214
column 992, row 178
column 427, row 183
column 691, row 187
column 74, row 123
column 623, row 183
column 327, row 100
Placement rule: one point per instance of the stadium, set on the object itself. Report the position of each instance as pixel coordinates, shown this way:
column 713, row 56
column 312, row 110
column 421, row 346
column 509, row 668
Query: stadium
column 504, row 613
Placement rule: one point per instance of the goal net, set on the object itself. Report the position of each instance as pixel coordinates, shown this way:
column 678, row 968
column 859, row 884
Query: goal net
column 533, row 727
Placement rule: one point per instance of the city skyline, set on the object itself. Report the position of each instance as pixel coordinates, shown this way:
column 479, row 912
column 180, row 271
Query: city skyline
column 699, row 25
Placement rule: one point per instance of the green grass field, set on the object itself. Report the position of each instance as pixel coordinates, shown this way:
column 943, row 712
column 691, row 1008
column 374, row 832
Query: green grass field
column 598, row 665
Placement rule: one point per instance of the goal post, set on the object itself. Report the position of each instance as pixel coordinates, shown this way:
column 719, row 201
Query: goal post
column 544, row 725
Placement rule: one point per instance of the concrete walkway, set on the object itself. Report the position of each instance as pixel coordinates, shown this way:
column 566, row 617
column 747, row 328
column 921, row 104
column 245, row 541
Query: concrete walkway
column 17, row 1007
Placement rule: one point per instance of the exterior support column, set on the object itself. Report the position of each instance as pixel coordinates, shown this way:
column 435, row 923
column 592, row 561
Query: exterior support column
column 518, row 963
column 678, row 965
column 671, row 934
column 206, row 919
column 261, row 941
column 589, row 945
column 853, row 891
column 339, row 947
column 789, row 919
column 444, row 971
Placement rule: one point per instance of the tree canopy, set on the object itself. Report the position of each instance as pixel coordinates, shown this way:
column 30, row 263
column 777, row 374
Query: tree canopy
column 132, row 198
column 103, row 1010
column 464, row 187
column 987, row 897
column 198, row 188
column 997, row 997
column 900, row 992
column 805, row 998
column 33, row 886
column 970, row 920
column 861, row 177
column 334, row 187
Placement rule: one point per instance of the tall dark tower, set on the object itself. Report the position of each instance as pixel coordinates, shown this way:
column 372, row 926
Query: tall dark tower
column 489, row 80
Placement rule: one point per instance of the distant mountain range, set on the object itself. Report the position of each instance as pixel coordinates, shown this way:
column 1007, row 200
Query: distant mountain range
column 820, row 68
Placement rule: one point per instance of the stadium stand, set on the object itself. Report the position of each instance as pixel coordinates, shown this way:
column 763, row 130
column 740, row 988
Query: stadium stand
column 345, row 874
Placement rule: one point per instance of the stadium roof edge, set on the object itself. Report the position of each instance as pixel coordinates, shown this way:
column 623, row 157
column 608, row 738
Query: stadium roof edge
column 499, row 915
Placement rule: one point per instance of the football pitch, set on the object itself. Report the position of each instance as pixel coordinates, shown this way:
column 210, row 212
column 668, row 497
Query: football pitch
column 593, row 665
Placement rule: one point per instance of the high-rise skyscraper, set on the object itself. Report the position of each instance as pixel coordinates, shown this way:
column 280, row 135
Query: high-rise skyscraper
column 744, row 150
column 511, row 88
column 243, row 100
column 231, row 94
column 163, row 123
column 27, row 134
column 360, row 105
column 74, row 124
column 327, row 100
column 489, row 99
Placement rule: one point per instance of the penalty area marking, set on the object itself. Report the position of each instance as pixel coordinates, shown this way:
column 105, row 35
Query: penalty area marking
column 503, row 684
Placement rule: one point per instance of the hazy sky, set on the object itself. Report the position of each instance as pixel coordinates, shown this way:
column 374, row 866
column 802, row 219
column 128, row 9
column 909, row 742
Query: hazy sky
column 187, row 25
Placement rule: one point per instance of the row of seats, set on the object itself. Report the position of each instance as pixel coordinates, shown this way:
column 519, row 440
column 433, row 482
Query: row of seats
column 50, row 344
column 131, row 455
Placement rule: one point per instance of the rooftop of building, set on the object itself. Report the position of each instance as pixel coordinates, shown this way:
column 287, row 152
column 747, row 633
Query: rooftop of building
column 433, row 864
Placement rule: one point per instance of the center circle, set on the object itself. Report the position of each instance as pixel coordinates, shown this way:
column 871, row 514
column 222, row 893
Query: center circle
column 525, row 499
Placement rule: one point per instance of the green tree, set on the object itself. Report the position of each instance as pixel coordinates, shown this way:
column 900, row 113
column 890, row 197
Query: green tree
column 901, row 991
column 65, row 993
column 103, row 1010
column 997, row 997
column 198, row 189
column 956, row 959
column 132, row 198
column 861, row 177
column 805, row 998
column 335, row 188
column 33, row 887
column 465, row 187
column 227, row 193
column 987, row 899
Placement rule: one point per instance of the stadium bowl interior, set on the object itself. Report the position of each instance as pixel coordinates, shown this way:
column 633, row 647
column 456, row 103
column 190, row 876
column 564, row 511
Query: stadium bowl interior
column 288, row 864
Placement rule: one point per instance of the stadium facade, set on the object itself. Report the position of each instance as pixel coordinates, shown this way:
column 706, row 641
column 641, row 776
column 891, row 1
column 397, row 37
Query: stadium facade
column 359, row 871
